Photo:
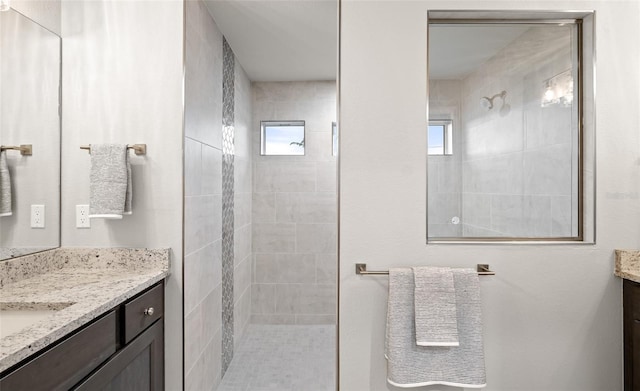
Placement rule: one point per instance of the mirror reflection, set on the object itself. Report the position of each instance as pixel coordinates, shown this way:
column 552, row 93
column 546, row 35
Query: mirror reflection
column 504, row 134
column 29, row 103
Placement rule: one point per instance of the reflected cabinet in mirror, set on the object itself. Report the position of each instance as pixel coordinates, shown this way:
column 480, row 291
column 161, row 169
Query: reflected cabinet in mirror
column 510, row 138
column 29, row 115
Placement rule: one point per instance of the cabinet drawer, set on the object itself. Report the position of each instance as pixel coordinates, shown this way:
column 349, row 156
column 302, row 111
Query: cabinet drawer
column 142, row 311
column 66, row 363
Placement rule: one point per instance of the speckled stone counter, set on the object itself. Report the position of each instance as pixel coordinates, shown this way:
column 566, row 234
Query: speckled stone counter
column 81, row 284
column 628, row 264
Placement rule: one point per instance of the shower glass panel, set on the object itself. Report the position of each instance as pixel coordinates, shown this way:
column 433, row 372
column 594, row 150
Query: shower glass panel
column 513, row 90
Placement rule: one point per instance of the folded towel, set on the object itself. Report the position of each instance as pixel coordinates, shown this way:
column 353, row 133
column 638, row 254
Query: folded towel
column 109, row 181
column 410, row 365
column 5, row 186
column 435, row 307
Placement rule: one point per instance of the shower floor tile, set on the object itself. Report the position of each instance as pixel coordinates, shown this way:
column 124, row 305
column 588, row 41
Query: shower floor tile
column 283, row 358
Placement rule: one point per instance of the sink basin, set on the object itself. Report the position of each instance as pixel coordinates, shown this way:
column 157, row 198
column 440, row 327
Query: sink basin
column 16, row 316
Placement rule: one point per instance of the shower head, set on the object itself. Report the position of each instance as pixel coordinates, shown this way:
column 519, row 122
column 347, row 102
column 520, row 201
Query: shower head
column 487, row 103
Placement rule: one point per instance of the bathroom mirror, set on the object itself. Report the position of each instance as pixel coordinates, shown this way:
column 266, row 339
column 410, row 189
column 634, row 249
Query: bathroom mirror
column 30, row 62
column 509, row 149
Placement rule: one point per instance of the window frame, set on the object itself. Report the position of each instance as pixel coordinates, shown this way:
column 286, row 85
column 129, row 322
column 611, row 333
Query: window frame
column 273, row 123
column 447, row 136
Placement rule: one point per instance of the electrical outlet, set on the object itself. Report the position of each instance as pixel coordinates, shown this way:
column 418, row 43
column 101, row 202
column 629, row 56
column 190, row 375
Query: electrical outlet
column 82, row 216
column 37, row 216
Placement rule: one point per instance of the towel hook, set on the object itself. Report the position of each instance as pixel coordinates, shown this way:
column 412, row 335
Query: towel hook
column 25, row 149
column 139, row 149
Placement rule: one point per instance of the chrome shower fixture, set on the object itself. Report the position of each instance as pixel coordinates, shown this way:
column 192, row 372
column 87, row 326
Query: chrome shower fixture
column 487, row 102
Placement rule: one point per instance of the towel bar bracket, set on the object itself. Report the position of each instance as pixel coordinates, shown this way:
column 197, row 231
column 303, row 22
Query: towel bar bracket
column 25, row 149
column 361, row 270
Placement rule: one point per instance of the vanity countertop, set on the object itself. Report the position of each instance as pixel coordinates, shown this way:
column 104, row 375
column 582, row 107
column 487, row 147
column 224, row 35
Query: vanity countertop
column 85, row 283
column 628, row 264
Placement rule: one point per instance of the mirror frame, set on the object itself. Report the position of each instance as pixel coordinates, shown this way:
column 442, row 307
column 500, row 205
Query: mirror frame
column 585, row 114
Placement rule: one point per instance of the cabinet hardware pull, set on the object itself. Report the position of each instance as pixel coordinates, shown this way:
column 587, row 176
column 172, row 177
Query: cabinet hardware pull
column 149, row 311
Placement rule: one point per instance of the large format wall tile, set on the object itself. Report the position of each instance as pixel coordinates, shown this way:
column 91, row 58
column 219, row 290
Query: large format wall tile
column 306, row 207
column 284, row 177
column 316, row 238
column 217, row 92
column 285, row 268
column 202, row 221
column 202, row 270
column 202, row 77
column 274, row 238
column 295, row 208
column 305, row 298
column 211, row 169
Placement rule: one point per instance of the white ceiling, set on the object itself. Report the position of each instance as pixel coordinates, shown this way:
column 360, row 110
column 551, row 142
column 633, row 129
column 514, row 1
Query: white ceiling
column 293, row 40
column 281, row 40
column 456, row 51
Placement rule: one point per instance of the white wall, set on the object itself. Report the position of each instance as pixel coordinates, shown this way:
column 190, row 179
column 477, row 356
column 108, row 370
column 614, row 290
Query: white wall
column 552, row 314
column 122, row 82
column 45, row 12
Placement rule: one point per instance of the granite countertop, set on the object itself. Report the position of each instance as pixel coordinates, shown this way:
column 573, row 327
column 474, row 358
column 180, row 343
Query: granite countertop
column 628, row 264
column 81, row 284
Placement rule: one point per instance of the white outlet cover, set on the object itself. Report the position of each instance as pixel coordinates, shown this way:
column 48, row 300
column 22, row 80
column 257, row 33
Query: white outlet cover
column 82, row 216
column 37, row 216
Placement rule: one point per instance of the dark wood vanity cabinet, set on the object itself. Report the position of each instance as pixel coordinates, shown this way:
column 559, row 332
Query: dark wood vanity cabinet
column 139, row 366
column 631, row 303
column 122, row 350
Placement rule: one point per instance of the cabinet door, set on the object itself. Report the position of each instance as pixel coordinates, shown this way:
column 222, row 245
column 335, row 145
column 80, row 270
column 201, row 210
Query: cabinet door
column 635, row 371
column 139, row 366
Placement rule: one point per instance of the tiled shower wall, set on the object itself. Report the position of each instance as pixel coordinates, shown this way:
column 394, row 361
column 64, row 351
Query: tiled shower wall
column 517, row 165
column 294, row 209
column 203, row 287
column 445, row 179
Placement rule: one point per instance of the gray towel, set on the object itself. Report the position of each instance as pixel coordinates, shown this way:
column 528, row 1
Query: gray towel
column 435, row 307
column 5, row 186
column 109, row 181
column 410, row 365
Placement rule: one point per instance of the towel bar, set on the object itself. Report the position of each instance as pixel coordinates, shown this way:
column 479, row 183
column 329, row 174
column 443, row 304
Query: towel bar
column 25, row 149
column 361, row 269
column 140, row 149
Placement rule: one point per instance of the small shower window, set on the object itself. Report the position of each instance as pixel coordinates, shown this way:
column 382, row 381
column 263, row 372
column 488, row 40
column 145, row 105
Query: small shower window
column 282, row 138
column 440, row 137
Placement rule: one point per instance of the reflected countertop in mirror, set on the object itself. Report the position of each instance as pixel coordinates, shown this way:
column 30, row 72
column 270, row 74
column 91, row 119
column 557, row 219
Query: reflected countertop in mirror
column 30, row 64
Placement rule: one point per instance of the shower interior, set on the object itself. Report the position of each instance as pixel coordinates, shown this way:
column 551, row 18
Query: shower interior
column 260, row 232
column 289, row 342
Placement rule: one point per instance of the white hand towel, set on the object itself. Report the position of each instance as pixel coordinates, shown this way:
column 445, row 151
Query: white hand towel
column 435, row 307
column 410, row 365
column 5, row 186
column 109, row 182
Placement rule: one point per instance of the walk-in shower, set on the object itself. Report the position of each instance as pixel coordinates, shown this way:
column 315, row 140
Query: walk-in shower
column 260, row 276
